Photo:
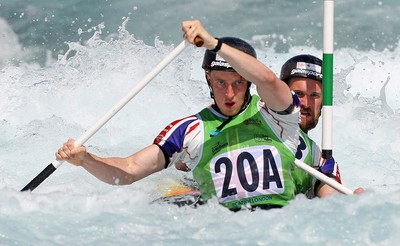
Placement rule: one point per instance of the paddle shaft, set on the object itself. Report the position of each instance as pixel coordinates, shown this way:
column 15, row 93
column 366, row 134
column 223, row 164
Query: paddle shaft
column 329, row 181
column 92, row 130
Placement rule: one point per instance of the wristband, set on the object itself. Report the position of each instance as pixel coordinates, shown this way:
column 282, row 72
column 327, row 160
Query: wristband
column 218, row 47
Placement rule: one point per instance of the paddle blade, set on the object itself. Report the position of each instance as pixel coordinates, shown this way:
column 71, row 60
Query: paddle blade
column 40, row 178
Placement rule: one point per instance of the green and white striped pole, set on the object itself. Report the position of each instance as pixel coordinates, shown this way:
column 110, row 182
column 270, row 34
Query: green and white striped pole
column 327, row 91
column 327, row 79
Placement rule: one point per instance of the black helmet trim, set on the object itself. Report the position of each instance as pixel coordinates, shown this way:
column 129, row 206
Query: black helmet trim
column 213, row 61
column 303, row 66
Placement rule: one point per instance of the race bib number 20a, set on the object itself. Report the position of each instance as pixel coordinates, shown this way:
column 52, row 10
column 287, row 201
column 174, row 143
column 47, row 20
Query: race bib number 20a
column 247, row 173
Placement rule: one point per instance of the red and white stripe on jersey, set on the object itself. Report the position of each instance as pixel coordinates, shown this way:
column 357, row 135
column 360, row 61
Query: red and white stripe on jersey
column 172, row 137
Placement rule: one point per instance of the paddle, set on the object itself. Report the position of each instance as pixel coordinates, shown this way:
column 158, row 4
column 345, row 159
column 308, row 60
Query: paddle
column 91, row 131
column 322, row 177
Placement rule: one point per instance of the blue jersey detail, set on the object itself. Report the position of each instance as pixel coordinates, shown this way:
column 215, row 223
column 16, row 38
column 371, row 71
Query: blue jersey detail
column 173, row 141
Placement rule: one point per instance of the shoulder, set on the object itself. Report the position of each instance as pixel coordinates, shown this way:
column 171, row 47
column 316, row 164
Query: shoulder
column 285, row 126
column 292, row 118
column 177, row 127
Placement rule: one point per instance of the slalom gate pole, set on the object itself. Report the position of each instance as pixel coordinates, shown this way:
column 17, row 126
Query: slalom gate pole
column 327, row 79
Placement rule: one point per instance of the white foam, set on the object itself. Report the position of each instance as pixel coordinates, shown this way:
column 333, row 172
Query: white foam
column 42, row 107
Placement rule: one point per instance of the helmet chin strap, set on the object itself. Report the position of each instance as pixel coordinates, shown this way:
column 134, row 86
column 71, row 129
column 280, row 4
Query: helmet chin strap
column 209, row 86
column 246, row 101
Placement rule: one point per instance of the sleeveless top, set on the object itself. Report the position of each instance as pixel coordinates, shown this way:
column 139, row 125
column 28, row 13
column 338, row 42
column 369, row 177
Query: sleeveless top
column 250, row 161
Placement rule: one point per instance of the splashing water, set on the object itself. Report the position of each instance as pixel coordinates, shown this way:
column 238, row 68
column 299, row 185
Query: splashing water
column 41, row 107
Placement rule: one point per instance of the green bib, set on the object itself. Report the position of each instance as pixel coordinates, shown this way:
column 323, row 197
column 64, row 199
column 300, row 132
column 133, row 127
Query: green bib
column 244, row 163
column 303, row 180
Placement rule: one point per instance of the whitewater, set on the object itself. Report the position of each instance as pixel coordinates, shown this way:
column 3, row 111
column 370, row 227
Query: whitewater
column 45, row 102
